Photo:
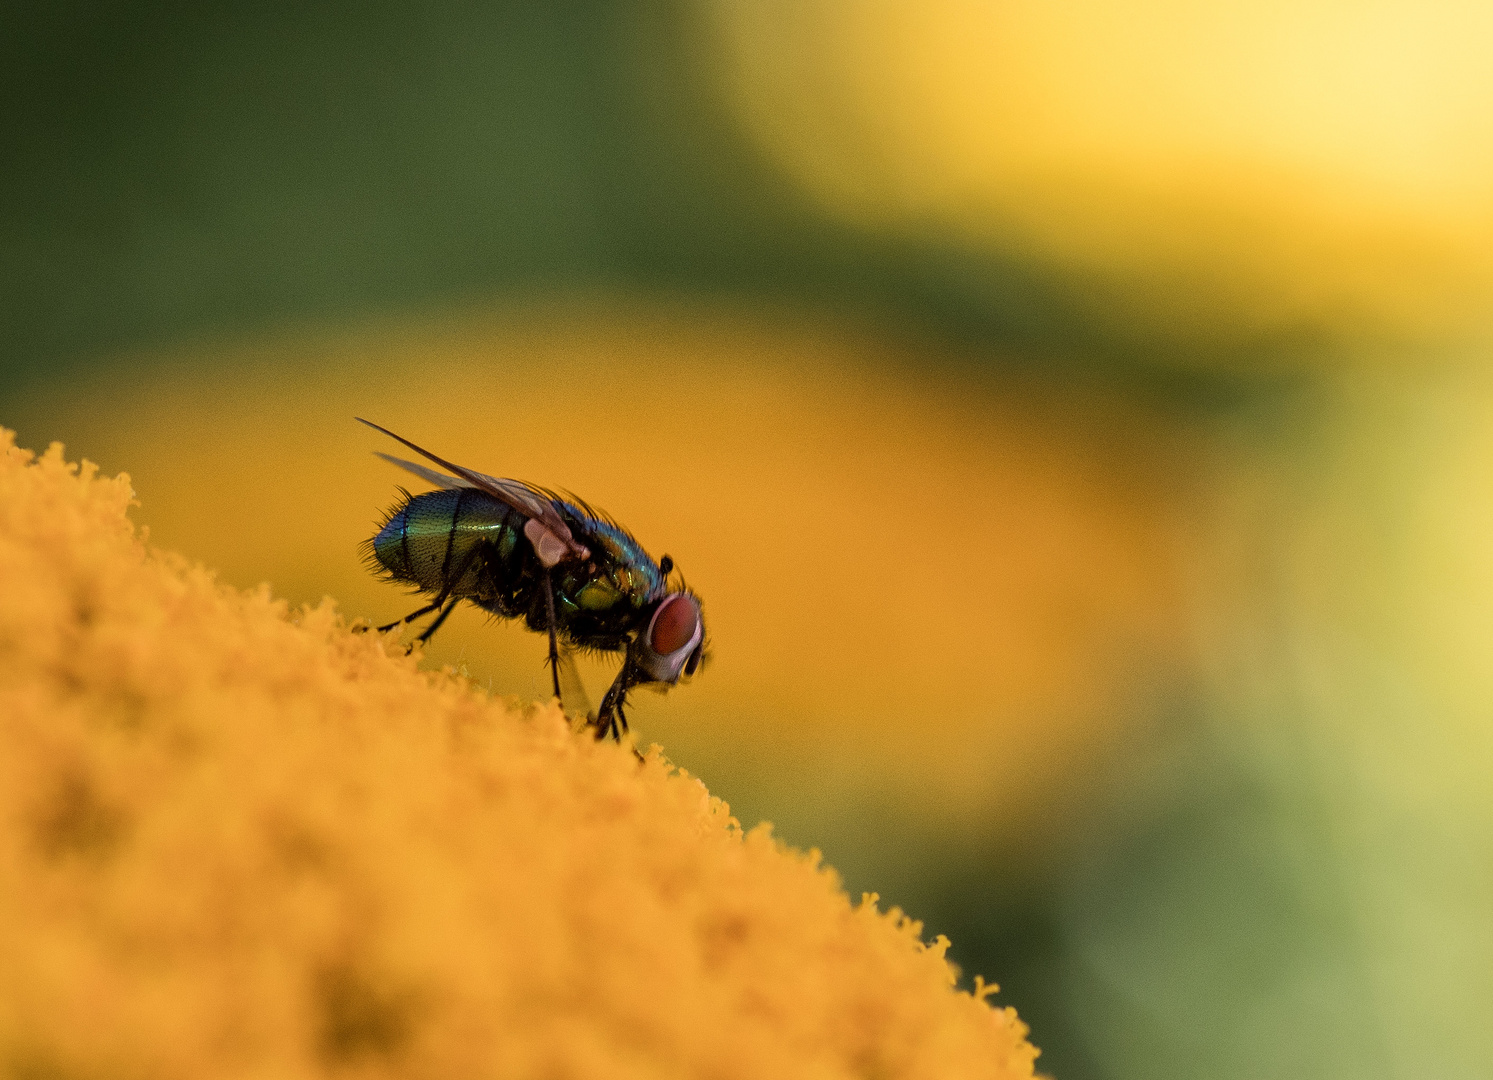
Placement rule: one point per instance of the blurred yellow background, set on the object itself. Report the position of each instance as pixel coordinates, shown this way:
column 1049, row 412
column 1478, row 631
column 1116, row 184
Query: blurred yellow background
column 1075, row 418
column 1199, row 163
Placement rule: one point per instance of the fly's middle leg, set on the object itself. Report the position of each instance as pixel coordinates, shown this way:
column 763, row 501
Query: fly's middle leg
column 549, row 607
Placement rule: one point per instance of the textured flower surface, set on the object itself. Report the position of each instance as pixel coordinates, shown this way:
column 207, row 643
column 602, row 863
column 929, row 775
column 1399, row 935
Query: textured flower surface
column 241, row 841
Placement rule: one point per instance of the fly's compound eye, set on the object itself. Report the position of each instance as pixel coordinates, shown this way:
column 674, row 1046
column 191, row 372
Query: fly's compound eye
column 674, row 634
column 673, row 624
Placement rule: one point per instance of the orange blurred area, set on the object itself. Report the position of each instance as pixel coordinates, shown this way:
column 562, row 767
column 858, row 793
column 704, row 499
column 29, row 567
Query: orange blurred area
column 903, row 576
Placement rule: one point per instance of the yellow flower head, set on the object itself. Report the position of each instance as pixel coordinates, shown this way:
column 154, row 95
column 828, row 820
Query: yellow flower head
column 240, row 841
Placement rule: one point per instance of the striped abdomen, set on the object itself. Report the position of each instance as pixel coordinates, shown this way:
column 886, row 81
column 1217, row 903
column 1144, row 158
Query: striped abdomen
column 443, row 534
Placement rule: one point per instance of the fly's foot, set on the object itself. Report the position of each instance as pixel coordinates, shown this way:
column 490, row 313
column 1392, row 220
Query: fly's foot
column 615, row 726
column 612, row 723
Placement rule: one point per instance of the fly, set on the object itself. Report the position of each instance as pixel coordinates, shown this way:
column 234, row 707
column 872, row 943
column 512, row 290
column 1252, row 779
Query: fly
column 522, row 552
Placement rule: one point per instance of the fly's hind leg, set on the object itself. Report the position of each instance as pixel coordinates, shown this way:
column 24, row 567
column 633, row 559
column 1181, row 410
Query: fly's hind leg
column 436, row 625
column 411, row 617
column 440, row 600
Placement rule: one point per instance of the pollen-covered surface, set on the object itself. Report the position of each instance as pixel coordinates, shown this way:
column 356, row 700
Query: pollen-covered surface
column 239, row 841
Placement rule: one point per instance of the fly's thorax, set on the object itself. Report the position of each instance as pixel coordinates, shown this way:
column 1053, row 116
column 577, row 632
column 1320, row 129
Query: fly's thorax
column 601, row 603
column 436, row 539
column 602, row 586
column 618, row 570
column 617, row 578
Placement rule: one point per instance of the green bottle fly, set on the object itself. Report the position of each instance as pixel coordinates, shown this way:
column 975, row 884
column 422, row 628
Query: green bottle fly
column 519, row 551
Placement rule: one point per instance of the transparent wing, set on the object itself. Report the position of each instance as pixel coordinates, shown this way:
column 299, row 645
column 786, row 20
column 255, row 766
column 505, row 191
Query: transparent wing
column 430, row 476
column 573, row 698
column 524, row 499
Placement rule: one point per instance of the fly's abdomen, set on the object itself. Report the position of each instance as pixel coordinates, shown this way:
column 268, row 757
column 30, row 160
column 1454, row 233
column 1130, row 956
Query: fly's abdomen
column 442, row 541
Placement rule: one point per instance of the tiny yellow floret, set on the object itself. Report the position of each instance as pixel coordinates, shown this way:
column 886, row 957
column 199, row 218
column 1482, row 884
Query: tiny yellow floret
column 240, row 841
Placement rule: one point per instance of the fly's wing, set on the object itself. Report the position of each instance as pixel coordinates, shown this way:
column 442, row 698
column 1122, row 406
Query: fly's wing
column 430, row 476
column 527, row 501
column 573, row 697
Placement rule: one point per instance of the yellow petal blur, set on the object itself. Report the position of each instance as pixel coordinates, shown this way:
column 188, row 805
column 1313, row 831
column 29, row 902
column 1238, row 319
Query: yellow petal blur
column 1199, row 165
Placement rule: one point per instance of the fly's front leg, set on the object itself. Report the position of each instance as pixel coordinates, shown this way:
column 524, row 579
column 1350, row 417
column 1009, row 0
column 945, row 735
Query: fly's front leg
column 610, row 719
column 617, row 722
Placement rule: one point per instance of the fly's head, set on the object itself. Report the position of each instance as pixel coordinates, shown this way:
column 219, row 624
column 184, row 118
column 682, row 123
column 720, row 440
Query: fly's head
column 673, row 640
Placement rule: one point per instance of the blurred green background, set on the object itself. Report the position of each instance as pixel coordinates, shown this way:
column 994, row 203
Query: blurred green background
column 1076, row 418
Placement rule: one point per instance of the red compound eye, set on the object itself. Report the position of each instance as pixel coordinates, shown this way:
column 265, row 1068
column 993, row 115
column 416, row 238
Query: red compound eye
column 674, row 624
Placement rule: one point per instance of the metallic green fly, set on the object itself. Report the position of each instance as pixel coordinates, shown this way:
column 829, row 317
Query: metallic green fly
column 522, row 552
